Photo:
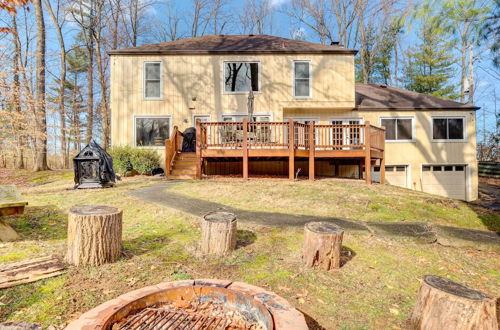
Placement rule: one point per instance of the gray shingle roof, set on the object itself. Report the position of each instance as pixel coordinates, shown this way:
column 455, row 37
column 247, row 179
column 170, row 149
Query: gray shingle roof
column 234, row 44
column 380, row 97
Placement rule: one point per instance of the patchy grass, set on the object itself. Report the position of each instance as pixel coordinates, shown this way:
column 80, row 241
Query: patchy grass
column 348, row 199
column 375, row 289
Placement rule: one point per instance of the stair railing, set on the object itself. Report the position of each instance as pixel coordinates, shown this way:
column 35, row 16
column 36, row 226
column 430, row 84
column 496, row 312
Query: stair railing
column 172, row 147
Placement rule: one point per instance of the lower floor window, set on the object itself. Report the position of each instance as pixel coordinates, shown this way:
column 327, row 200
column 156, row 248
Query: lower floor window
column 151, row 131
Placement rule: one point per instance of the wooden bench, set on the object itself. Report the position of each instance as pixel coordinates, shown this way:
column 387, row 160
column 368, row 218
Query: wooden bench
column 10, row 204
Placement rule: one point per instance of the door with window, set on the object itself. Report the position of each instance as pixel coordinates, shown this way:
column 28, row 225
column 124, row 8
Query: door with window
column 346, row 137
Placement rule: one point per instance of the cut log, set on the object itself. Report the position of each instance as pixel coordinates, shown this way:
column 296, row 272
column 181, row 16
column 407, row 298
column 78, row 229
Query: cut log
column 218, row 233
column 94, row 235
column 444, row 304
column 322, row 245
column 30, row 271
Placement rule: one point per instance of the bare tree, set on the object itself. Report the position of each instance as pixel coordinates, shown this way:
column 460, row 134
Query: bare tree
column 41, row 118
column 168, row 28
column 17, row 90
column 256, row 17
column 62, row 80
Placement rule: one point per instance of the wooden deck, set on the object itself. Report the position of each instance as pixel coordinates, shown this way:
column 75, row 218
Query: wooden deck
column 290, row 140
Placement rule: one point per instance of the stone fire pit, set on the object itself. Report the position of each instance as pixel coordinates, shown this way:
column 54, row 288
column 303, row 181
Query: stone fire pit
column 194, row 304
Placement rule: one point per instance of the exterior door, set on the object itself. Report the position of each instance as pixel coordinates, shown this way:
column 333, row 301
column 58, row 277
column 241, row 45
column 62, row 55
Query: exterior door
column 395, row 175
column 346, row 136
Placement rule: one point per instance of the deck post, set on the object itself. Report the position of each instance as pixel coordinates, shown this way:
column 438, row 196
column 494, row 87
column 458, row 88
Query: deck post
column 291, row 149
column 337, row 169
column 360, row 171
column 312, row 149
column 199, row 159
column 382, row 161
column 368, row 160
column 245, row 148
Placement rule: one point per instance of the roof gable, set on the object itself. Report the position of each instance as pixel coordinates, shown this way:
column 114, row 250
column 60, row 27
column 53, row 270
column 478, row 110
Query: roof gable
column 234, row 44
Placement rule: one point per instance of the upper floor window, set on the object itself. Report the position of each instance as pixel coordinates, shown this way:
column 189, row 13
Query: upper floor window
column 152, row 80
column 240, row 77
column 301, row 79
column 448, row 128
column 151, row 131
column 398, row 129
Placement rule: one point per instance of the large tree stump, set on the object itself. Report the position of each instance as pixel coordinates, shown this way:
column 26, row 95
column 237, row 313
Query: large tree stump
column 218, row 233
column 94, row 235
column 322, row 245
column 444, row 304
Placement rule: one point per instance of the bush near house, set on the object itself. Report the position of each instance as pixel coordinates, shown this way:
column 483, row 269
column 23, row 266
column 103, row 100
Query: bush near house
column 127, row 159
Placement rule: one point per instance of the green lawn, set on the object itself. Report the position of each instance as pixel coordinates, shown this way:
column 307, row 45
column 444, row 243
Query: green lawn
column 375, row 289
column 350, row 199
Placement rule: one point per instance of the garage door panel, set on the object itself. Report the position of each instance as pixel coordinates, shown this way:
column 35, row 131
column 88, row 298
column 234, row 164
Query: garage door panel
column 451, row 183
column 393, row 177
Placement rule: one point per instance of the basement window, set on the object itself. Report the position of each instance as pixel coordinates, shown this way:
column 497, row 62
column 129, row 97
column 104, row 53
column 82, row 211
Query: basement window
column 241, row 77
column 151, row 131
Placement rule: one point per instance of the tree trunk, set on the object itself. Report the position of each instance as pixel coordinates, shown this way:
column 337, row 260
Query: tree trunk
column 94, row 235
column 104, row 96
column 62, row 84
column 471, row 73
column 19, row 163
column 218, row 233
column 322, row 245
column 444, row 304
column 41, row 118
column 463, row 71
column 90, row 89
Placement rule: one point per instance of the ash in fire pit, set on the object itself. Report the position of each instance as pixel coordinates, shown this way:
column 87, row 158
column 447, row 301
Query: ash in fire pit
column 93, row 168
column 199, row 304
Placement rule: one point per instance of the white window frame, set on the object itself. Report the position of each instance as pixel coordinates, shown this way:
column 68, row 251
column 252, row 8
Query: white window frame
column 135, row 117
column 193, row 117
column 413, row 128
column 464, row 118
column 259, row 76
column 310, row 79
column 144, row 81
column 345, row 121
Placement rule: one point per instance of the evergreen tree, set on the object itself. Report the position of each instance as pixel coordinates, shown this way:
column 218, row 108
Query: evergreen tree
column 429, row 68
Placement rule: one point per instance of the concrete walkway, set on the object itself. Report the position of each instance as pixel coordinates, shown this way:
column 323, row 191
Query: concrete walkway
column 164, row 194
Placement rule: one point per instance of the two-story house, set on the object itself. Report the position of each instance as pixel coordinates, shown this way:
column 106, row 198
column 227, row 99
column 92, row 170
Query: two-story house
column 308, row 116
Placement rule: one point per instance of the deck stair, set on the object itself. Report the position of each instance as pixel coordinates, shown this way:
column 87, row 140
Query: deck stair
column 184, row 166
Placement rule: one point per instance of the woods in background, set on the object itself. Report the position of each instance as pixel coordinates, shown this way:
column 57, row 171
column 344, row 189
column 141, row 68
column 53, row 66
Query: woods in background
column 54, row 68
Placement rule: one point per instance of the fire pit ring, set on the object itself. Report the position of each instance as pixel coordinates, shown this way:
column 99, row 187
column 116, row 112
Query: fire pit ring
column 148, row 308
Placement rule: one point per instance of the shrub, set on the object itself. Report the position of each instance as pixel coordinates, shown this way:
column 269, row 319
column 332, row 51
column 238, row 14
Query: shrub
column 127, row 159
column 144, row 161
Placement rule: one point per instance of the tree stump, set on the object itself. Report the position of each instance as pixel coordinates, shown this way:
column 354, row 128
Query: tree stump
column 322, row 245
column 444, row 304
column 218, row 233
column 94, row 235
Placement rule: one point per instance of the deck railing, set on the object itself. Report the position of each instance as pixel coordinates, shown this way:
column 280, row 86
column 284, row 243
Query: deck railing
column 276, row 135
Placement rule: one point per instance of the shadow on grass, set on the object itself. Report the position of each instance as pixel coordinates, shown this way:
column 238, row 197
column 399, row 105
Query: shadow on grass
column 40, row 223
column 346, row 255
column 161, row 194
column 312, row 324
column 244, row 238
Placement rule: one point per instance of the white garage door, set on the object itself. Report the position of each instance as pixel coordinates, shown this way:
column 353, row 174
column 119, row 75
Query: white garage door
column 396, row 175
column 444, row 180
